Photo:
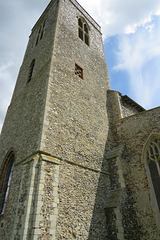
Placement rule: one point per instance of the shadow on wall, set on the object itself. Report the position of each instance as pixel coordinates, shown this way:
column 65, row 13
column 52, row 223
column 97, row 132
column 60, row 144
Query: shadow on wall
column 114, row 211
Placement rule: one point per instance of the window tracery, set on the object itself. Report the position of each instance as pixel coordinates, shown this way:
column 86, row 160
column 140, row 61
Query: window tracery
column 83, row 30
column 153, row 162
column 6, row 176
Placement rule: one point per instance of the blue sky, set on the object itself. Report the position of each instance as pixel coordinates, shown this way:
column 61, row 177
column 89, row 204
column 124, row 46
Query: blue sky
column 131, row 34
column 133, row 61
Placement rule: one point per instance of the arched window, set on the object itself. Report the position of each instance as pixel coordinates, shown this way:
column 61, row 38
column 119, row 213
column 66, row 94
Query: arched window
column 152, row 156
column 40, row 33
column 6, row 176
column 37, row 40
column 31, row 70
column 83, row 30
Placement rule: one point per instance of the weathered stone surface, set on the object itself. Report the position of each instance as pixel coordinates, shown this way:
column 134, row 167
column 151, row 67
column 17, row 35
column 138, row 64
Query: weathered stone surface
column 80, row 171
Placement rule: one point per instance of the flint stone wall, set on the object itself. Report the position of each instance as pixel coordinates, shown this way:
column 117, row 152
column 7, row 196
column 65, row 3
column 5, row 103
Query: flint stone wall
column 133, row 132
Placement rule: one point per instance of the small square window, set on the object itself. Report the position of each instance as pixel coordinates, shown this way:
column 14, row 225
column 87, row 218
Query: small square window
column 78, row 71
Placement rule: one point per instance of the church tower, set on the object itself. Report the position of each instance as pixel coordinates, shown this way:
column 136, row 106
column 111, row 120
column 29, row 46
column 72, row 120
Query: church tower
column 54, row 135
column 77, row 160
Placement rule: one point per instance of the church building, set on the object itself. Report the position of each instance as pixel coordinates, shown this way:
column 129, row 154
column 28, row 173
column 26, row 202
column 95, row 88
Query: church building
column 77, row 159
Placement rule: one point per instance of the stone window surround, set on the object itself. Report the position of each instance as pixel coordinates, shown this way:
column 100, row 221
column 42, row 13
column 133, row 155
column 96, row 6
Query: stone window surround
column 31, row 69
column 40, row 32
column 146, row 161
column 153, row 160
column 6, row 175
column 78, row 70
column 83, row 30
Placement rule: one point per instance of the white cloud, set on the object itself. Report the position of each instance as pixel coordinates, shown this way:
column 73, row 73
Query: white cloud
column 139, row 56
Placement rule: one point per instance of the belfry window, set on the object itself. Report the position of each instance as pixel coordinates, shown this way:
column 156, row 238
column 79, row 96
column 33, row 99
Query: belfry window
column 153, row 161
column 37, row 40
column 6, row 178
column 31, row 70
column 40, row 33
column 83, row 30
